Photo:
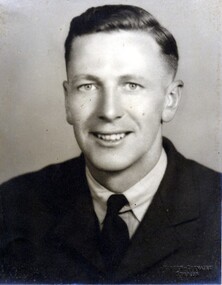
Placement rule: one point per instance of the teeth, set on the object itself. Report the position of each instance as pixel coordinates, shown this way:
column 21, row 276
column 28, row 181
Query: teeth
column 112, row 137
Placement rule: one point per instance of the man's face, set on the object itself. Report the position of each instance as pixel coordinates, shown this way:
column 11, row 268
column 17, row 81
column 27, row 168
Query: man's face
column 115, row 98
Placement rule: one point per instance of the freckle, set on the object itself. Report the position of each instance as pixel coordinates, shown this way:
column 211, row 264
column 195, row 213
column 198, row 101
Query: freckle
column 143, row 114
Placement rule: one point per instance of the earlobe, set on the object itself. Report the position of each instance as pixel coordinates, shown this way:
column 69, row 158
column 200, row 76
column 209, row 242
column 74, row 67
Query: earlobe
column 172, row 100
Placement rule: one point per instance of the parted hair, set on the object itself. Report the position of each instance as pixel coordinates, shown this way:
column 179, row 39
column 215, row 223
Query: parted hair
column 122, row 17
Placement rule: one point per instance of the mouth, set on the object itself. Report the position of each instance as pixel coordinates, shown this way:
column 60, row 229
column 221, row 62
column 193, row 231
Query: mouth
column 112, row 137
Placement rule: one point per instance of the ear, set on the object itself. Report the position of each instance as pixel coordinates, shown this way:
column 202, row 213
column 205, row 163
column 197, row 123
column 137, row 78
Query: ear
column 66, row 93
column 172, row 100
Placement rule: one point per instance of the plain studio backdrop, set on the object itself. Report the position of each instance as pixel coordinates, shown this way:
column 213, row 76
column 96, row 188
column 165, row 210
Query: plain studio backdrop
column 33, row 130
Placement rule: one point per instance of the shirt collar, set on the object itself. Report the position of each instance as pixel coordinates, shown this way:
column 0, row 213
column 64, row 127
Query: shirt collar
column 139, row 195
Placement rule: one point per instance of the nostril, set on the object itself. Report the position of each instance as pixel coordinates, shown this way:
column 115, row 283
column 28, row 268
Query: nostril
column 109, row 117
column 110, row 112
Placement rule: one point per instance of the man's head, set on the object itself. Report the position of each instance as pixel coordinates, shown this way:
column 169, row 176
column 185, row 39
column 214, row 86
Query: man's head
column 120, row 88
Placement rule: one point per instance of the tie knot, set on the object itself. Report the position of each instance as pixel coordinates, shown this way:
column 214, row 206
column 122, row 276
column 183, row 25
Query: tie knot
column 115, row 203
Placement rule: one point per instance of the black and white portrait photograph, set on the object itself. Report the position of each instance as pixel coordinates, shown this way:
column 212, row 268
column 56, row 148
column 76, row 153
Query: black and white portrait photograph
column 110, row 141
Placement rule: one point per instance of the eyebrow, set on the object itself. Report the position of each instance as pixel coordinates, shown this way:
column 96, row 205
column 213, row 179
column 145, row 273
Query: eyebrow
column 85, row 76
column 132, row 77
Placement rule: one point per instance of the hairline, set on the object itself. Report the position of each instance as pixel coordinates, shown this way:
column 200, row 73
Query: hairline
column 145, row 31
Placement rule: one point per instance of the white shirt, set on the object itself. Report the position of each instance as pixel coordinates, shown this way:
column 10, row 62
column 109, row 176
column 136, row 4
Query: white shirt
column 139, row 195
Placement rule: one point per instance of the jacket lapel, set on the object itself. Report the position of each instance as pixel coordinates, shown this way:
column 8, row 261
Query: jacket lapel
column 77, row 229
column 176, row 202
column 154, row 240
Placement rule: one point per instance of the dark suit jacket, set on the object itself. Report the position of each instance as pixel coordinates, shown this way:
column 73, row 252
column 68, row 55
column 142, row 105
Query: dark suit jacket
column 49, row 231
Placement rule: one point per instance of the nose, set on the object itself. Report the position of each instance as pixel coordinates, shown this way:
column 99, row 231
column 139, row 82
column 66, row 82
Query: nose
column 110, row 106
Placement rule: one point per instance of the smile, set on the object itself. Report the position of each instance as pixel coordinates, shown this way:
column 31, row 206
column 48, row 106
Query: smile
column 110, row 137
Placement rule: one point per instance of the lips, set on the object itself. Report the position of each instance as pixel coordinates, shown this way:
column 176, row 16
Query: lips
column 111, row 137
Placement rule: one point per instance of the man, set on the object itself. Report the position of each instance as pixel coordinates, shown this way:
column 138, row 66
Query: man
column 130, row 209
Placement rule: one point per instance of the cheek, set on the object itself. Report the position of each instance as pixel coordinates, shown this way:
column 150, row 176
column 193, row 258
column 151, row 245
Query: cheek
column 145, row 110
column 80, row 109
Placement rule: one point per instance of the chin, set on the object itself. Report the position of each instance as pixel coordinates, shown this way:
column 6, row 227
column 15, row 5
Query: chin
column 113, row 164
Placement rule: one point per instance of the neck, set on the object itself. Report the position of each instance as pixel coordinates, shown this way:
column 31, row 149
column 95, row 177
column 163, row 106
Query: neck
column 120, row 181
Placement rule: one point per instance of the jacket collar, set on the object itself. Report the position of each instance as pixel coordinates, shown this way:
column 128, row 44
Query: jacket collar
column 179, row 189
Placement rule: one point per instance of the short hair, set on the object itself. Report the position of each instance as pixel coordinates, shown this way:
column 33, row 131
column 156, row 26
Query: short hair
column 122, row 17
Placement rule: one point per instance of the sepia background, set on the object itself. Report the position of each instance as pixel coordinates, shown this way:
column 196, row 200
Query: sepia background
column 33, row 130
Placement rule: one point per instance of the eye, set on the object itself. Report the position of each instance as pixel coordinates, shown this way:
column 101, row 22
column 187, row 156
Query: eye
column 87, row 87
column 131, row 86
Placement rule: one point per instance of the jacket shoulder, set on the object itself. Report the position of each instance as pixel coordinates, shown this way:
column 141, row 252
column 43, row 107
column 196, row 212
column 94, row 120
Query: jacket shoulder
column 203, row 173
column 40, row 193
column 190, row 168
column 44, row 177
column 190, row 180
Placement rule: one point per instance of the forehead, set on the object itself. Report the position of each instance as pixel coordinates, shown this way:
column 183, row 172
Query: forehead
column 115, row 41
column 136, row 50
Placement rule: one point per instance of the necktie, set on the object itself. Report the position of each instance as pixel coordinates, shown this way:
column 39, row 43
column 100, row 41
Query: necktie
column 114, row 235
